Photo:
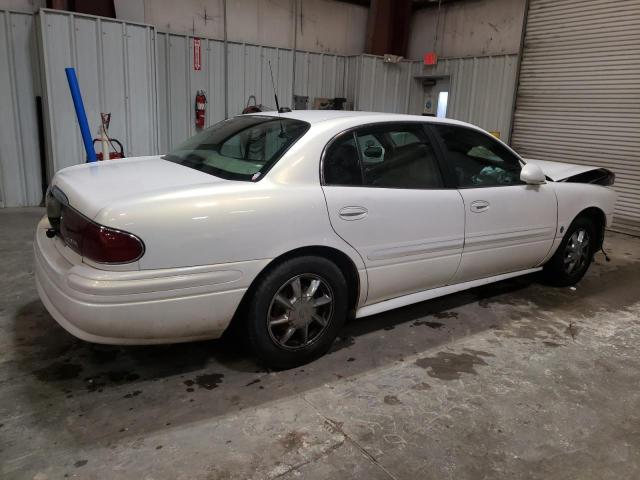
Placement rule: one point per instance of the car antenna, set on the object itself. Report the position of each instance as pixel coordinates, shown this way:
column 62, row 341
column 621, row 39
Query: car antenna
column 273, row 84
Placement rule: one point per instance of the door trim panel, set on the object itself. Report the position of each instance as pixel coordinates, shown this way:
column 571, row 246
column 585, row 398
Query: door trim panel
column 509, row 237
column 453, row 245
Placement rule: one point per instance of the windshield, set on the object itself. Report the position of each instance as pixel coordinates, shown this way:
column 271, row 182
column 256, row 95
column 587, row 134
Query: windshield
column 241, row 148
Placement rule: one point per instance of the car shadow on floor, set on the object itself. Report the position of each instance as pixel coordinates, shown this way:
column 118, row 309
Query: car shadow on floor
column 111, row 391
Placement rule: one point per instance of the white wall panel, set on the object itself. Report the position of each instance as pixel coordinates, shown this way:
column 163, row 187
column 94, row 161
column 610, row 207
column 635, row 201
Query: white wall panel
column 464, row 29
column 115, row 64
column 20, row 174
column 320, row 75
column 323, row 25
column 178, row 95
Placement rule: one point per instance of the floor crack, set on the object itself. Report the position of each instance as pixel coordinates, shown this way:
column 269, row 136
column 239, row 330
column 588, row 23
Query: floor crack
column 338, row 428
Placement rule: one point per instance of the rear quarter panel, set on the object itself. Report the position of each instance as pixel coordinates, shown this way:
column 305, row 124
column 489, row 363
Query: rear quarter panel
column 234, row 223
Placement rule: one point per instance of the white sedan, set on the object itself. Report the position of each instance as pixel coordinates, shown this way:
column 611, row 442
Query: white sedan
column 287, row 224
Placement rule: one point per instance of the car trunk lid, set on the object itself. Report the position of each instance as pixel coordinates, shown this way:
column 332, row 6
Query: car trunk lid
column 94, row 186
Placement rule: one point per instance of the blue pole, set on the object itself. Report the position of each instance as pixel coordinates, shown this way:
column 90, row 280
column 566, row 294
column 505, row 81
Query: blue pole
column 81, row 114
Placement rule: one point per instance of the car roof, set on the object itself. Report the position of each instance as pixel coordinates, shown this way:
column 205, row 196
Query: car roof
column 318, row 116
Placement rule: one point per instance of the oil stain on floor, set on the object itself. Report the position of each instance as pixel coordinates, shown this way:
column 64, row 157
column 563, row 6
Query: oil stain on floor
column 450, row 366
column 207, row 381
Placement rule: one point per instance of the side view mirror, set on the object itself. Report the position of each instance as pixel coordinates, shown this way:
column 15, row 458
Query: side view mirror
column 532, row 174
column 373, row 152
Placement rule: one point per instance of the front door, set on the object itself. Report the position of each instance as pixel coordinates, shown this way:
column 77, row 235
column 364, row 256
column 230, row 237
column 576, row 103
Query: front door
column 509, row 226
column 386, row 198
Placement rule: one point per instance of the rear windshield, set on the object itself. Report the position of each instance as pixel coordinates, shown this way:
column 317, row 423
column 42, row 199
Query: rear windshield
column 241, row 148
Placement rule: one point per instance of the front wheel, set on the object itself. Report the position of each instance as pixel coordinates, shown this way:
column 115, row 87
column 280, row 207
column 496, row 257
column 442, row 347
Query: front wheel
column 296, row 311
column 574, row 255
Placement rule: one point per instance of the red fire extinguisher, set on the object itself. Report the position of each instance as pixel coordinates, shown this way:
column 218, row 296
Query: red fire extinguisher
column 201, row 105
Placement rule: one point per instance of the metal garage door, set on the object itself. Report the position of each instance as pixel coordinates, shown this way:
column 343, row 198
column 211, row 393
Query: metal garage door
column 579, row 93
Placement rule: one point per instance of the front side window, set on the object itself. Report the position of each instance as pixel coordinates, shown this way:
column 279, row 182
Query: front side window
column 241, row 148
column 385, row 156
column 477, row 159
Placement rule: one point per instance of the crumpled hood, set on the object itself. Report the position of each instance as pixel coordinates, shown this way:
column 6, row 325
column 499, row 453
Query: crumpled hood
column 91, row 187
column 558, row 171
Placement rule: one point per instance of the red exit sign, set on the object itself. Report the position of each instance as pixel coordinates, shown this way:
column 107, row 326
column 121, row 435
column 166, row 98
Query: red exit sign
column 430, row 58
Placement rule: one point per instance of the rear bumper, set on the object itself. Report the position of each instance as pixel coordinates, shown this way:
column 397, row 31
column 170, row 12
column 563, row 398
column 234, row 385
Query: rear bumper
column 139, row 307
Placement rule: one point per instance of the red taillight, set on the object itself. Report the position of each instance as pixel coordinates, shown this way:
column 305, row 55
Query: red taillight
column 97, row 242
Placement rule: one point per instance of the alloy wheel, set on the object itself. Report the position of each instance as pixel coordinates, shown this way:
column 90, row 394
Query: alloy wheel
column 576, row 253
column 300, row 311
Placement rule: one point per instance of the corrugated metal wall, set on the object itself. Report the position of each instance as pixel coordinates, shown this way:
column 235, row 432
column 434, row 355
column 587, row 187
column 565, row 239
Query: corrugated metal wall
column 115, row 64
column 320, row 75
column 20, row 175
column 579, row 93
column 481, row 88
column 385, row 87
column 317, row 75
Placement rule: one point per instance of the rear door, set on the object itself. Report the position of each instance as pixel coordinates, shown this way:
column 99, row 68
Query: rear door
column 510, row 226
column 386, row 197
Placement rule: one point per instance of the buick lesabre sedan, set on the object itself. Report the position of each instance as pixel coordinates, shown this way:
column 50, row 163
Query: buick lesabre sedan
column 285, row 225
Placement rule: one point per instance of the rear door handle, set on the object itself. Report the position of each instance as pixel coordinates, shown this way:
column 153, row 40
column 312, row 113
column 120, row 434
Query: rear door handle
column 353, row 213
column 479, row 206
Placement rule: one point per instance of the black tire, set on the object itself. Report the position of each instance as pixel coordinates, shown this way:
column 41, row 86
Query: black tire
column 556, row 270
column 264, row 337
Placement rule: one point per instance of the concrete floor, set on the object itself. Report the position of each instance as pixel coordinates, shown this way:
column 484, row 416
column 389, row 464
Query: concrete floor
column 514, row 380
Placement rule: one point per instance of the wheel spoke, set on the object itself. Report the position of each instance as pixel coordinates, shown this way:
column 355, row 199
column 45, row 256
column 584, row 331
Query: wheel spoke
column 305, row 334
column 321, row 320
column 279, row 321
column 323, row 300
column 284, row 302
column 287, row 335
column 297, row 288
column 313, row 287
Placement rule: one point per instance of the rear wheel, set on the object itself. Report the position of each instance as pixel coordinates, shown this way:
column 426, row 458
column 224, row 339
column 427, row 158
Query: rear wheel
column 296, row 311
column 574, row 255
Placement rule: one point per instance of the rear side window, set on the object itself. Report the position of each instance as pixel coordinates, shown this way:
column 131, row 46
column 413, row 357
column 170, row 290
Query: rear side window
column 241, row 148
column 384, row 156
column 477, row 159
column 341, row 164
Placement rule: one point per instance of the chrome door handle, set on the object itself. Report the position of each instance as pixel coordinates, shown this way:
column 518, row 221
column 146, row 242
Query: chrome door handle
column 479, row 206
column 353, row 213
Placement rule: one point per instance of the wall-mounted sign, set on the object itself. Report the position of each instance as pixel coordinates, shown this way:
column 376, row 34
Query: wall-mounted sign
column 197, row 54
column 430, row 58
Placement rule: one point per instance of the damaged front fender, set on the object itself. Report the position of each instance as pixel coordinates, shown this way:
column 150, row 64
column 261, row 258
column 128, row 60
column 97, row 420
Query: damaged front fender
column 570, row 172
